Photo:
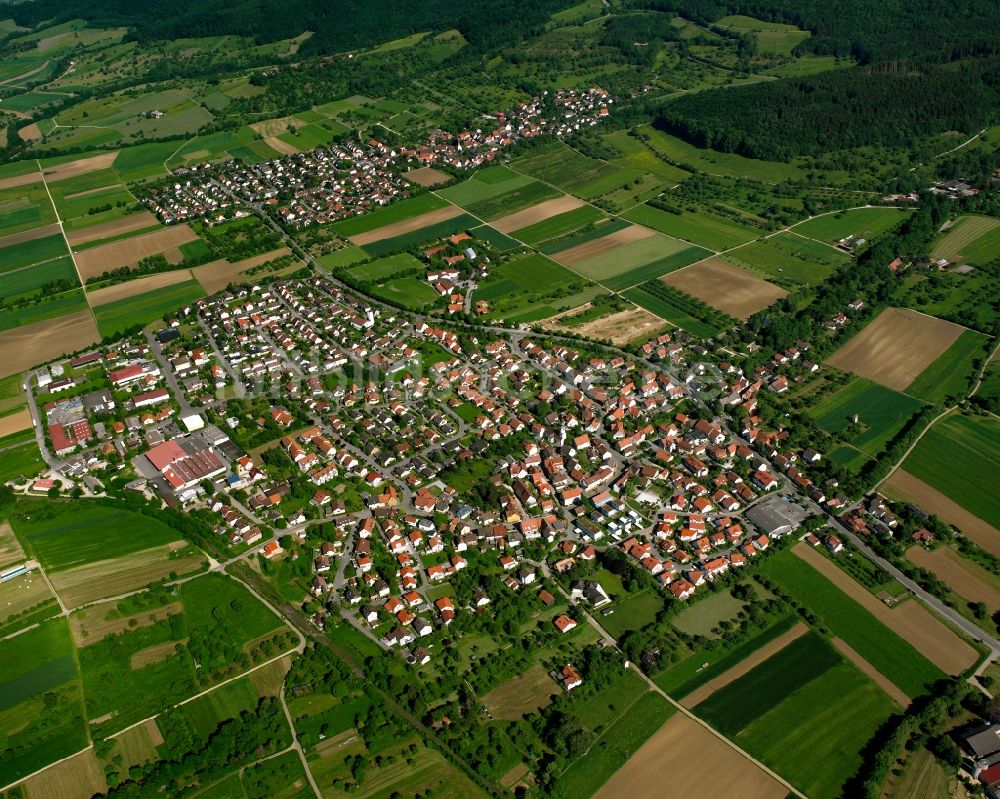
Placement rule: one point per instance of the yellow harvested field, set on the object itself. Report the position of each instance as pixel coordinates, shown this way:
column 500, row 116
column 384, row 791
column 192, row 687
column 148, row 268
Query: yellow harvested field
column 967, row 579
column 29, row 235
column 619, row 328
column 18, row 594
column 591, row 249
column 107, row 230
column 79, row 777
column 20, row 180
column 725, row 287
column 280, row 146
column 525, row 694
column 115, row 576
column 427, row 176
column 15, row 422
column 537, row 213
column 95, row 262
column 896, row 347
column 216, row 275
column 91, row 625
column 130, row 288
column 911, row 621
column 29, row 345
column 905, row 485
column 10, row 547
column 30, row 132
column 154, row 654
column 880, row 680
column 407, row 225
column 683, row 758
column 79, row 167
column 744, row 666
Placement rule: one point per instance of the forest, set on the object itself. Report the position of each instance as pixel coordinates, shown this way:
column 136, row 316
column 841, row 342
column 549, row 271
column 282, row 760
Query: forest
column 337, row 25
column 885, row 105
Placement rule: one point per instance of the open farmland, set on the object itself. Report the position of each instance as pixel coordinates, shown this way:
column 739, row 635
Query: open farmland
column 601, row 244
column 486, row 183
column 896, row 347
column 618, row 328
column 788, row 260
column 902, row 484
column 535, row 214
column 533, row 287
column 960, row 457
column 527, row 693
column 216, row 275
column 64, row 168
column 14, row 181
column 32, row 344
column 971, row 239
column 404, row 227
column 559, row 225
column 113, row 229
column 910, row 620
column 513, row 200
column 687, row 747
column 702, row 229
column 427, row 176
column 80, row 777
column 967, row 579
column 574, row 172
column 10, row 548
column 670, row 312
column 861, row 223
column 635, row 261
column 954, row 372
column 25, row 208
column 27, row 282
column 98, row 260
column 390, row 215
column 881, row 413
column 121, row 291
column 33, row 251
column 141, row 309
column 725, row 287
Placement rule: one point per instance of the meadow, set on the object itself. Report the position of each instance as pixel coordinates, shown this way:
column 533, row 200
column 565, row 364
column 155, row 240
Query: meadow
column 406, row 291
column 576, row 173
column 531, row 286
column 24, row 208
column 559, row 225
column 959, row 457
column 632, row 612
column 705, row 614
column 788, row 259
column 32, row 252
column 971, row 239
column 384, row 267
column 862, row 223
column 699, row 228
column 893, row 657
column 117, row 317
column 954, row 372
column 27, row 281
column 511, row 201
column 49, row 308
column 882, row 411
column 383, row 217
column 484, row 185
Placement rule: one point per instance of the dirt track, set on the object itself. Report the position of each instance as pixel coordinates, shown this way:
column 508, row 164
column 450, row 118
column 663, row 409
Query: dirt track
column 896, row 347
column 29, row 345
column 744, row 666
column 591, row 249
column 933, row 501
column 910, row 620
column 683, row 759
column 407, row 225
column 726, row 287
column 537, row 213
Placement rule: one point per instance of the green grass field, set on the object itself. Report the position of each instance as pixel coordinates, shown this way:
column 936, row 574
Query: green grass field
column 528, row 288
column 511, row 201
column 24, row 208
column 816, row 736
column 703, row 229
column 576, row 173
column 397, row 212
column 384, row 267
column 41, row 708
column 484, row 185
column 632, row 612
column 407, row 291
column 599, row 231
column 789, row 259
column 32, row 252
column 896, row 659
column 960, row 456
column 953, row 373
column 670, row 312
column 862, row 223
column 559, row 225
column 706, row 613
column 225, row 702
column 972, row 239
column 28, row 280
column 78, row 196
column 654, row 269
column 345, row 257
column 143, row 160
column 424, row 235
column 142, row 309
column 63, row 535
column 69, row 302
column 882, row 411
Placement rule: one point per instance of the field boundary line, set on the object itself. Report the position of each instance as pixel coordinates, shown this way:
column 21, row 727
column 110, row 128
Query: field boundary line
column 62, row 231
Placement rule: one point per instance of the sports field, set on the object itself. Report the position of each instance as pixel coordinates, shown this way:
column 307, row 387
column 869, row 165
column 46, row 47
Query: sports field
column 703, row 229
column 881, row 412
column 725, row 287
column 972, row 239
column 896, row 347
column 960, row 456
column 862, row 223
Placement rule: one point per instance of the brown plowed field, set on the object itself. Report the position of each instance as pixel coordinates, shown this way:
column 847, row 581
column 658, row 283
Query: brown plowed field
column 537, row 213
column 29, row 235
column 79, row 167
column 407, row 225
column 95, row 262
column 280, row 146
column 619, row 328
column 79, row 777
column 725, row 287
column 15, row 422
column 965, row 578
column 686, row 760
column 427, row 176
column 20, row 180
column 910, row 620
column 29, row 345
column 130, row 288
column 591, row 249
column 933, row 501
column 106, row 230
column 216, row 275
column 744, row 666
column 896, row 347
